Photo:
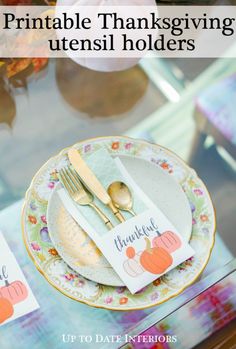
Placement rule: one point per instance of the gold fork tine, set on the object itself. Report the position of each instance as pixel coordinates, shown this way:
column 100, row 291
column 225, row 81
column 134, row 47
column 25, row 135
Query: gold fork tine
column 76, row 174
column 65, row 182
column 70, row 179
column 75, row 178
column 78, row 193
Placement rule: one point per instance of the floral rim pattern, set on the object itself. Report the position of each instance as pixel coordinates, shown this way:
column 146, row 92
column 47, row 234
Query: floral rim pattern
column 73, row 285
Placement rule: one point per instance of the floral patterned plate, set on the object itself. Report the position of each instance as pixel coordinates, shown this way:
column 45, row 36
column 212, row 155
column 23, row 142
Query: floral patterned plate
column 78, row 250
column 72, row 284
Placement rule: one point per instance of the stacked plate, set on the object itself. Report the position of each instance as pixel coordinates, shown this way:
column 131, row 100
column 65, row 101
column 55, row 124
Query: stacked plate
column 71, row 262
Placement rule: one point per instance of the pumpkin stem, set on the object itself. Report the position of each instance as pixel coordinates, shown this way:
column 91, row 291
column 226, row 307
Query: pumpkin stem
column 158, row 233
column 6, row 283
column 148, row 244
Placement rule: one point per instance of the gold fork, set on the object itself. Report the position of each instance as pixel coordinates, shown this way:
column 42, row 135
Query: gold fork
column 79, row 193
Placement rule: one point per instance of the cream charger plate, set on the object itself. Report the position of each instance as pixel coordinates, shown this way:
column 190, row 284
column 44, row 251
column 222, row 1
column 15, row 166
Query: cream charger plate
column 143, row 161
column 77, row 249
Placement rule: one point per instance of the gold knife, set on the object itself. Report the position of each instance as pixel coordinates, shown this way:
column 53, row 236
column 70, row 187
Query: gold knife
column 91, row 181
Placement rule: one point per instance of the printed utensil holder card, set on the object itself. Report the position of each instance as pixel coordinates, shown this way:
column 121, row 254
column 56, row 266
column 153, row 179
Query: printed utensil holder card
column 142, row 248
column 16, row 297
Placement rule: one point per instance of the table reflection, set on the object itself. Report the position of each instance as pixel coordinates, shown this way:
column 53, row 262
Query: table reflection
column 98, row 93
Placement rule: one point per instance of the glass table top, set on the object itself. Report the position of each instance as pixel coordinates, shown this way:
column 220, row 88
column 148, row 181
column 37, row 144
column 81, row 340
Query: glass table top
column 61, row 105
column 65, row 103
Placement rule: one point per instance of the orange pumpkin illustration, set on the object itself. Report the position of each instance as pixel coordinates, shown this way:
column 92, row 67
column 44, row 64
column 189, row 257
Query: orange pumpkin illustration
column 6, row 309
column 155, row 260
column 130, row 252
column 15, row 292
column 168, row 240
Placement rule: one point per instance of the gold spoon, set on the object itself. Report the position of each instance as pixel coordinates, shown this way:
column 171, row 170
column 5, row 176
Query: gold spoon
column 121, row 197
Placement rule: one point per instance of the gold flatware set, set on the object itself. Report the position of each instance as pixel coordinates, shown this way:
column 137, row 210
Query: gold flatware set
column 80, row 194
column 82, row 185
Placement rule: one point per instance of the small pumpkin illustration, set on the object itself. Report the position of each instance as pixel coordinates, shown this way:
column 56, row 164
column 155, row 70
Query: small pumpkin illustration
column 168, row 240
column 132, row 265
column 6, row 309
column 130, row 252
column 15, row 292
column 155, row 260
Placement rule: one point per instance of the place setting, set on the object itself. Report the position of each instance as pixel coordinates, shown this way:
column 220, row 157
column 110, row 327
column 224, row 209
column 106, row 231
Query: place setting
column 118, row 223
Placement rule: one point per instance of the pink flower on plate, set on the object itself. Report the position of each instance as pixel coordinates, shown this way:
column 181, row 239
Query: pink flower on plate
column 35, row 246
column 198, row 192
column 69, row 277
column 51, row 185
column 81, row 283
column 44, row 219
column 128, row 146
column 108, row 300
column 194, row 221
column 120, row 289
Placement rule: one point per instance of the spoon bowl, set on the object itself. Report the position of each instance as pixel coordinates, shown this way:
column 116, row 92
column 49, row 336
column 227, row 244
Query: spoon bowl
column 121, row 197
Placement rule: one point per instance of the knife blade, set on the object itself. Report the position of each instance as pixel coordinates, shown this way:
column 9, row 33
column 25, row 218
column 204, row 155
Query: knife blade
column 91, row 181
